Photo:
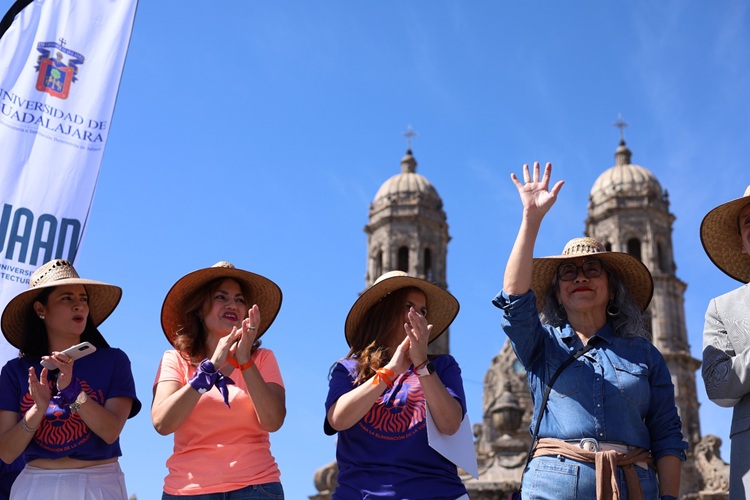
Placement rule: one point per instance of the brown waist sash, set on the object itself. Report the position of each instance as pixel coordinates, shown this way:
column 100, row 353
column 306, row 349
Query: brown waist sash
column 606, row 466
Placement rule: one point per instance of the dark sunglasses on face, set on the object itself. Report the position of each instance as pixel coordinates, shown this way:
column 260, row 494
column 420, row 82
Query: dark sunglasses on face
column 569, row 271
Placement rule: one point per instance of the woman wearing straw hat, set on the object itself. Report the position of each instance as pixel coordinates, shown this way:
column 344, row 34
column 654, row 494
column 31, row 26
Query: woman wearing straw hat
column 610, row 427
column 725, row 233
column 379, row 395
column 65, row 421
column 218, row 391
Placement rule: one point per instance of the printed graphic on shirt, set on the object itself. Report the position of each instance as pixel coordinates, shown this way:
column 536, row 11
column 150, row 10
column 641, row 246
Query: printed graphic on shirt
column 399, row 413
column 61, row 430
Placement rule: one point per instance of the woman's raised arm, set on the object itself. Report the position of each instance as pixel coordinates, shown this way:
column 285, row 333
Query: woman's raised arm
column 537, row 199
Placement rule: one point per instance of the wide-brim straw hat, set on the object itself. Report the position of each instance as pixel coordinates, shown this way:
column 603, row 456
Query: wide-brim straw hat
column 102, row 298
column 263, row 292
column 720, row 235
column 442, row 307
column 631, row 271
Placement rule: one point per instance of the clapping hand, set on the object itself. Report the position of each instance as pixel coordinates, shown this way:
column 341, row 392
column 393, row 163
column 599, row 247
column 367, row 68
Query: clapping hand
column 418, row 333
column 39, row 389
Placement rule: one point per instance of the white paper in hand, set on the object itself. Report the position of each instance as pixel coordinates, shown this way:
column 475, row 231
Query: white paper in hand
column 458, row 448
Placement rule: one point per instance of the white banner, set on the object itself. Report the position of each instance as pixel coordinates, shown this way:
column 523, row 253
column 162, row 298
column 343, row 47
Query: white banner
column 60, row 68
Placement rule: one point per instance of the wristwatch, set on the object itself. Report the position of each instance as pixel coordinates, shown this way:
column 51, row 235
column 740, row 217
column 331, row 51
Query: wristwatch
column 427, row 369
column 82, row 398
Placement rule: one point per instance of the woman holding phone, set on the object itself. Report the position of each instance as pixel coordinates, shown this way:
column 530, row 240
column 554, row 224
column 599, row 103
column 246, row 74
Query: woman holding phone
column 66, row 420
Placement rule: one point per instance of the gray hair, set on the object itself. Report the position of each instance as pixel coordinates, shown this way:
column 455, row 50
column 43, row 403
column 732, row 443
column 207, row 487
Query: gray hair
column 628, row 320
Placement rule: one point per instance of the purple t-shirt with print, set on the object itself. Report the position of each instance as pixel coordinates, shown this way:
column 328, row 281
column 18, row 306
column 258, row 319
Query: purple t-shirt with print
column 386, row 453
column 104, row 374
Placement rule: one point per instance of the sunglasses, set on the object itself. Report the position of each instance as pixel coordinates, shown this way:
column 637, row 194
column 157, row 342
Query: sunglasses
column 590, row 268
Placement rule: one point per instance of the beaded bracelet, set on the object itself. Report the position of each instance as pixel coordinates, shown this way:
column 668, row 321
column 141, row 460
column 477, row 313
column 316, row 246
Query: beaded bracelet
column 25, row 426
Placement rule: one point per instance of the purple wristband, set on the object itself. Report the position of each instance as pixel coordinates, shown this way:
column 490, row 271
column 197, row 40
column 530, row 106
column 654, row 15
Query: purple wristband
column 206, row 376
column 221, row 384
column 70, row 393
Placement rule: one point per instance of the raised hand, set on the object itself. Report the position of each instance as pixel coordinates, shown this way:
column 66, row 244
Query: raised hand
column 418, row 332
column 225, row 346
column 250, row 326
column 64, row 364
column 400, row 361
column 39, row 389
column 536, row 196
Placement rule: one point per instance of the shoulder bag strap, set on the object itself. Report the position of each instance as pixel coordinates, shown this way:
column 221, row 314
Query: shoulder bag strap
column 589, row 345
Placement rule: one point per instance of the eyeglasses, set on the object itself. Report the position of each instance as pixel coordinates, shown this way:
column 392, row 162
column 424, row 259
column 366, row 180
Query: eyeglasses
column 590, row 268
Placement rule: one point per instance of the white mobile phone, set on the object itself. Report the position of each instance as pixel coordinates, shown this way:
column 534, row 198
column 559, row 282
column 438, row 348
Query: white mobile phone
column 75, row 352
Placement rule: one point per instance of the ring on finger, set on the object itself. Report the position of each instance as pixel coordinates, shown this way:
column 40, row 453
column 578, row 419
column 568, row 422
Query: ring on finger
column 251, row 327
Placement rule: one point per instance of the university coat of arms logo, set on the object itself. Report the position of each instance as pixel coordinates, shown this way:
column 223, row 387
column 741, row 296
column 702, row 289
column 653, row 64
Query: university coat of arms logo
column 57, row 72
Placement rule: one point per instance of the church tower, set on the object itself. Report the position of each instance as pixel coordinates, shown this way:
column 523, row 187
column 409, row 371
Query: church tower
column 629, row 212
column 408, row 232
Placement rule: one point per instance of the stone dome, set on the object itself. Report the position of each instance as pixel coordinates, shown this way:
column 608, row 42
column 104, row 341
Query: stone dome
column 625, row 180
column 407, row 186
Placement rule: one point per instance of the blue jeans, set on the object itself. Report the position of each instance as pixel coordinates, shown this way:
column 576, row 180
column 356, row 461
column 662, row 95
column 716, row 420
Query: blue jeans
column 560, row 478
column 252, row 492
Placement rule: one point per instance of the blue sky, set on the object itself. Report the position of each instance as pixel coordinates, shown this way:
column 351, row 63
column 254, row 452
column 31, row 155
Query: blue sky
column 258, row 132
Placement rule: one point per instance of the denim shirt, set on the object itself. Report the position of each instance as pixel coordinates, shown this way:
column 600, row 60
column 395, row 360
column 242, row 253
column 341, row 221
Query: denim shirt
column 620, row 391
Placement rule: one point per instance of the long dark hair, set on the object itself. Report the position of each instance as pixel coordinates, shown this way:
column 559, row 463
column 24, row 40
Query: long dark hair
column 370, row 342
column 623, row 314
column 191, row 336
column 35, row 343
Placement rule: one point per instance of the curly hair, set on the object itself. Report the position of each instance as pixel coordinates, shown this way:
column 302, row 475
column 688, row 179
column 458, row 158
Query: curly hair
column 191, row 336
column 623, row 313
column 369, row 345
column 35, row 343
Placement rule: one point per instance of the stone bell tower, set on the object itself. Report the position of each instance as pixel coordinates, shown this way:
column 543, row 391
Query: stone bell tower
column 629, row 212
column 408, row 232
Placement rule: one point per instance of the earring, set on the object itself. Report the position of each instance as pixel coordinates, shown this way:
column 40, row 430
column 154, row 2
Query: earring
column 613, row 310
column 41, row 316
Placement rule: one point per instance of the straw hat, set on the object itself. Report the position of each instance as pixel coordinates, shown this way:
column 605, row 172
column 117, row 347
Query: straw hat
column 633, row 273
column 719, row 235
column 263, row 292
column 441, row 305
column 17, row 316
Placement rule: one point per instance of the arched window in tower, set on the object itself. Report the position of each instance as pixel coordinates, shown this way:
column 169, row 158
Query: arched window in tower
column 634, row 248
column 403, row 259
column 378, row 263
column 608, row 246
column 427, row 260
column 663, row 265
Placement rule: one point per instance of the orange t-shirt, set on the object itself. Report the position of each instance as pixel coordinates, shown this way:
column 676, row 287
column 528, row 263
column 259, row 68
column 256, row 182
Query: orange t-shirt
column 219, row 449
